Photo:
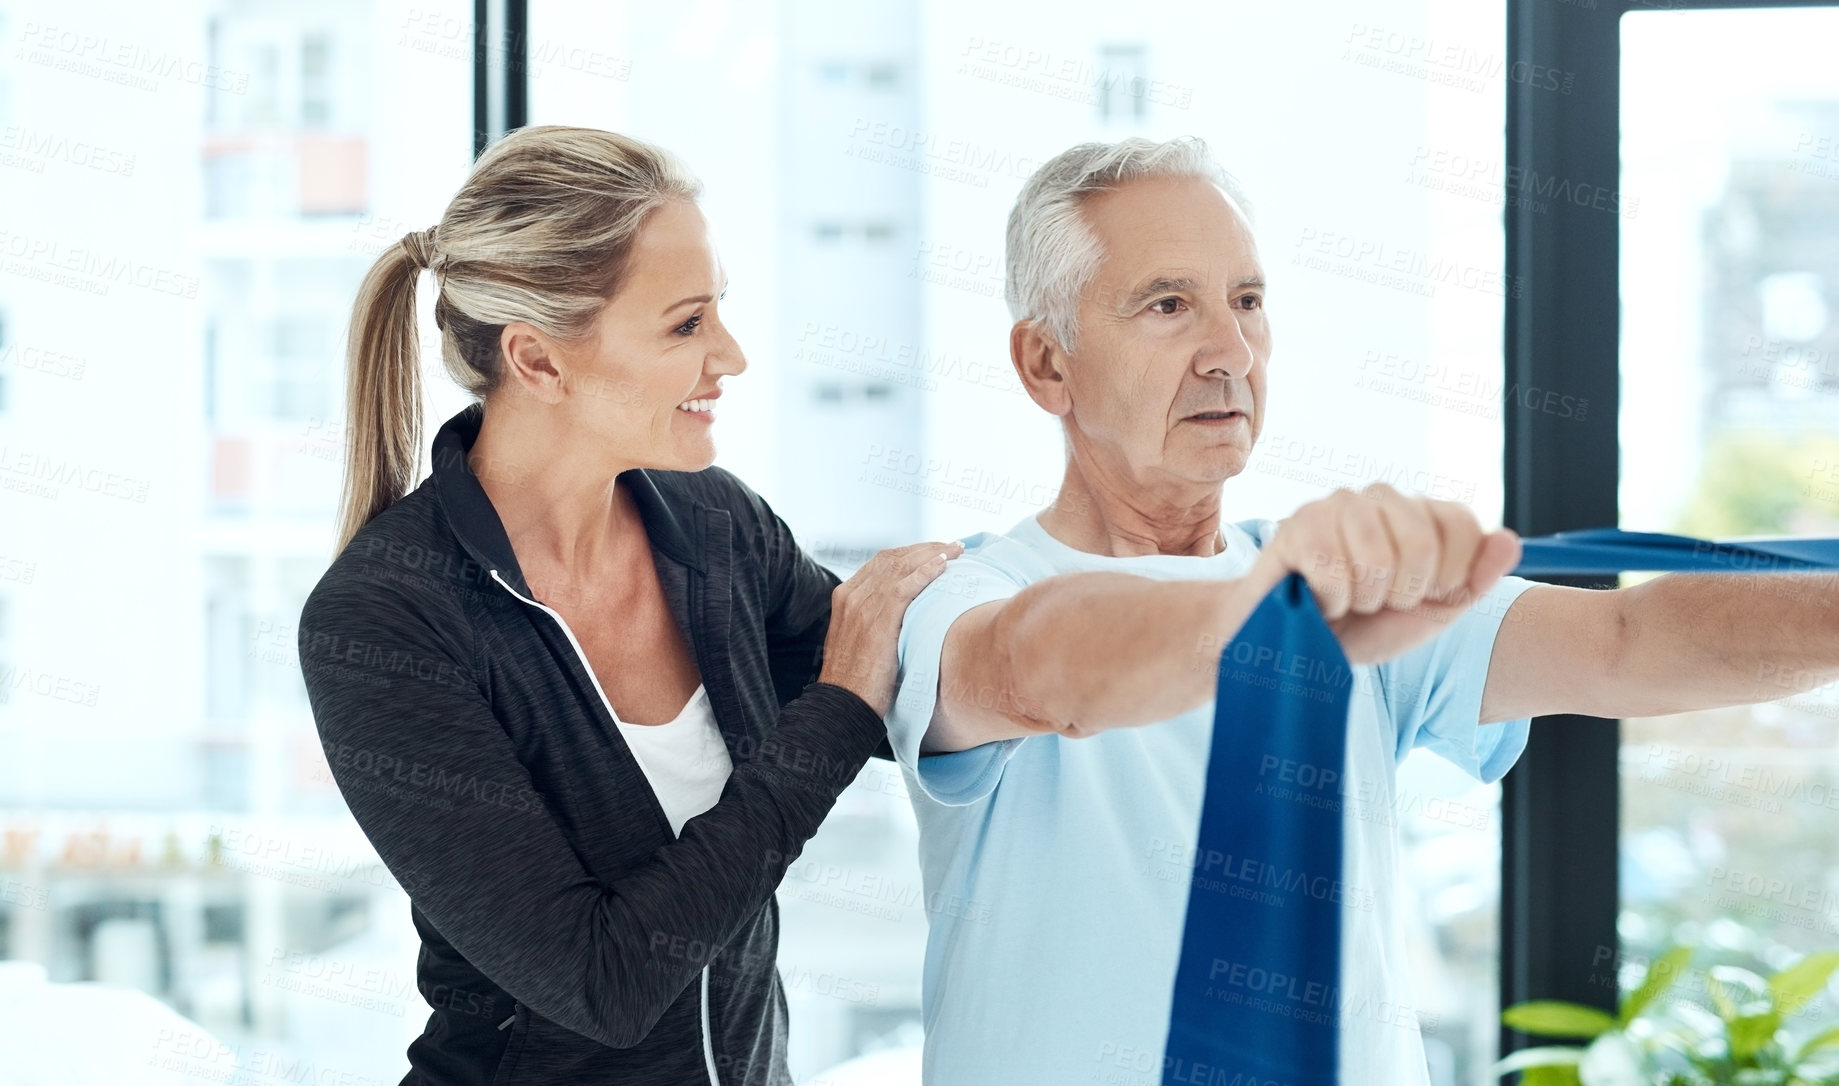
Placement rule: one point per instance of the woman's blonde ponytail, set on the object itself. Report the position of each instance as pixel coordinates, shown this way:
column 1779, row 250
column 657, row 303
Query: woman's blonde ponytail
column 382, row 388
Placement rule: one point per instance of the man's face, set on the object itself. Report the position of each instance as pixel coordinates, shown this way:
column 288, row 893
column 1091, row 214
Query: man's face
column 1167, row 385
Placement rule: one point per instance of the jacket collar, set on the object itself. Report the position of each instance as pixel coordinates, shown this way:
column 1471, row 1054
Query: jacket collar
column 477, row 526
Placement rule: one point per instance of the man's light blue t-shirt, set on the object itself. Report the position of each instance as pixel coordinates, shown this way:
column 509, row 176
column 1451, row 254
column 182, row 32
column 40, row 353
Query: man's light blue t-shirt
column 1073, row 858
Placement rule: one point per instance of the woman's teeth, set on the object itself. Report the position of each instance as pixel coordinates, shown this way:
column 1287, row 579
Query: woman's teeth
column 696, row 405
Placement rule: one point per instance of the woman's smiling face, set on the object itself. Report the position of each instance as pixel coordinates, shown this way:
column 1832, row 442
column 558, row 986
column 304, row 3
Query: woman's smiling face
column 657, row 348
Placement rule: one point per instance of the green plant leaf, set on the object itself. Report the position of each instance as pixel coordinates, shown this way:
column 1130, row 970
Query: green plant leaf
column 1551, row 1018
column 1550, row 1076
column 1803, row 980
column 1542, row 1056
column 1827, row 1039
column 1695, row 1022
column 1613, row 1060
column 1661, row 973
column 1735, row 991
column 1749, row 1032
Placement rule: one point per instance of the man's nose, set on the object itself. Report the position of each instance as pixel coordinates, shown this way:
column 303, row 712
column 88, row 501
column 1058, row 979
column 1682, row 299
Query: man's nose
column 1227, row 352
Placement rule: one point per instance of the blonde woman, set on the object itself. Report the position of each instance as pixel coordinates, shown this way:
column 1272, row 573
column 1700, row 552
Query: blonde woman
column 582, row 690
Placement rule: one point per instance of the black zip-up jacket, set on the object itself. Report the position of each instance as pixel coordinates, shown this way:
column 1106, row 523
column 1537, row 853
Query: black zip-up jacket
column 567, row 935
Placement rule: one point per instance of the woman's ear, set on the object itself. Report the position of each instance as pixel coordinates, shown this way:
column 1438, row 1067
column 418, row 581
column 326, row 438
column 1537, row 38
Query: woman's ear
column 533, row 362
column 1041, row 364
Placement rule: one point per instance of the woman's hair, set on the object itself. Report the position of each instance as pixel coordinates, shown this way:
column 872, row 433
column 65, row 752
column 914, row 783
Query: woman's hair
column 540, row 233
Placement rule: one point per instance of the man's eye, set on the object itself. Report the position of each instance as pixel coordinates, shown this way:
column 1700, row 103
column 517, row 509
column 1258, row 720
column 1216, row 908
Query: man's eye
column 1252, row 301
column 1168, row 307
column 689, row 326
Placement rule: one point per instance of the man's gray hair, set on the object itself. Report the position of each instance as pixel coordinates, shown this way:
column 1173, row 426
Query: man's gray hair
column 1052, row 252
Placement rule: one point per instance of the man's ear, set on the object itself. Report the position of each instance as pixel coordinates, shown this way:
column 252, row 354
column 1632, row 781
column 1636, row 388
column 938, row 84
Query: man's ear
column 533, row 363
column 1041, row 363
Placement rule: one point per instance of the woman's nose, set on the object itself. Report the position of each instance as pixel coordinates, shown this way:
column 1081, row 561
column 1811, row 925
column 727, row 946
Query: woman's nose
column 729, row 358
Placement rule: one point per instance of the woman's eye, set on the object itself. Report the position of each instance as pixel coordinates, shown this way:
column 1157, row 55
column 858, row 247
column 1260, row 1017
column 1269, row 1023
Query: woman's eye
column 689, row 326
column 1168, row 307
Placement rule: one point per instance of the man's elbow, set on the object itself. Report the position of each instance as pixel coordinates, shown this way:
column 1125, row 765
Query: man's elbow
column 1610, row 683
column 1020, row 660
column 1008, row 670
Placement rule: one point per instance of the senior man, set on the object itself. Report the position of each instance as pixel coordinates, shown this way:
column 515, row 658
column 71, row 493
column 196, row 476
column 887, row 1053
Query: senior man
column 1057, row 681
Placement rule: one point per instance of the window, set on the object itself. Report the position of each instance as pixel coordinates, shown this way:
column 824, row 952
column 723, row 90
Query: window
column 6, row 647
column 315, row 80
column 1121, row 92
column 258, row 156
column 1729, row 222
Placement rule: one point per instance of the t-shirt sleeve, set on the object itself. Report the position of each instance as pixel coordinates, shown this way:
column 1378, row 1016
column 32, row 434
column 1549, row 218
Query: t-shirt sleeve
column 1433, row 693
column 959, row 777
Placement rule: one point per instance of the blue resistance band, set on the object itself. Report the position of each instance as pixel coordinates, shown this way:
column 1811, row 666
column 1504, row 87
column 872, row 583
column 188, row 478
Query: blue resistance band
column 1257, row 987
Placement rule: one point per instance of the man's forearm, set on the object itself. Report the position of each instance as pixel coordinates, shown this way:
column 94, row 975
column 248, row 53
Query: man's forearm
column 1091, row 651
column 1701, row 641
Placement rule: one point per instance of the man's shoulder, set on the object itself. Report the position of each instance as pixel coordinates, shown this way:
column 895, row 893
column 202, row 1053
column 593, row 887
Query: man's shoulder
column 1260, row 529
column 1007, row 553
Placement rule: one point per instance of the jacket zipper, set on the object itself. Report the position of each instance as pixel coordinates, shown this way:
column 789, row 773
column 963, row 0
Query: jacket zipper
column 708, row 1044
column 708, row 1035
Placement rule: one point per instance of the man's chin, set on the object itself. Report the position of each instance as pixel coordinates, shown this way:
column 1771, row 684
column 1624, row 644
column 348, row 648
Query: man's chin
column 1217, row 465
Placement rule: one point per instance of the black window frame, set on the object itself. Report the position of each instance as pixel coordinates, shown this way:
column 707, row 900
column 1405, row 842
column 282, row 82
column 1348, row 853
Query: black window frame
column 501, row 74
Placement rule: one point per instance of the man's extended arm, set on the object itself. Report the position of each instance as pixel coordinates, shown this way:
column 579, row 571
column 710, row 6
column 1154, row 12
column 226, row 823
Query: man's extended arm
column 1082, row 652
column 1680, row 642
